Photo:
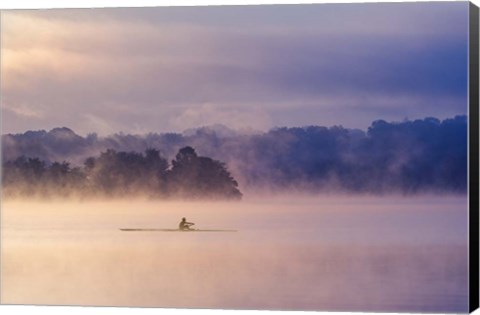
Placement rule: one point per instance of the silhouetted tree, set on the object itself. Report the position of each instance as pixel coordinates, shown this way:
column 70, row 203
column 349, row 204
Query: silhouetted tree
column 61, row 179
column 200, row 177
column 118, row 173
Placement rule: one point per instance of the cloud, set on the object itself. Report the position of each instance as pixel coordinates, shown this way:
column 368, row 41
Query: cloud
column 24, row 111
column 212, row 114
column 154, row 66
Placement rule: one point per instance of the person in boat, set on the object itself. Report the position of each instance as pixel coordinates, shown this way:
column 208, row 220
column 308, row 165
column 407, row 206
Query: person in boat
column 184, row 225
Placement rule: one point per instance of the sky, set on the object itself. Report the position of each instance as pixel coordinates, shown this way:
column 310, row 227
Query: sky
column 169, row 69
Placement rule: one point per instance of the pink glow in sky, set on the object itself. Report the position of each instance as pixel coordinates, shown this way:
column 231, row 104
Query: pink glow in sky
column 170, row 69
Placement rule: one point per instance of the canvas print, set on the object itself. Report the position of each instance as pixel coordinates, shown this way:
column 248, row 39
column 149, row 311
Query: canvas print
column 280, row 157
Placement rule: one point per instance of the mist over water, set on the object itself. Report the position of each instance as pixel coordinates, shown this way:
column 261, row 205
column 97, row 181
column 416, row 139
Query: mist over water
column 291, row 252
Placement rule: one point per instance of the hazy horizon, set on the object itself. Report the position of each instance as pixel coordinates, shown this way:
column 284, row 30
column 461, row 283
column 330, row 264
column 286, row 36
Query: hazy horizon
column 409, row 157
column 224, row 130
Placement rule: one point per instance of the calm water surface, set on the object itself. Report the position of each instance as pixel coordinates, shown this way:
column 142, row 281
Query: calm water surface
column 291, row 253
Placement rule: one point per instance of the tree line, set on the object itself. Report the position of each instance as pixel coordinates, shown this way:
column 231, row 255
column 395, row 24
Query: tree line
column 408, row 157
column 122, row 174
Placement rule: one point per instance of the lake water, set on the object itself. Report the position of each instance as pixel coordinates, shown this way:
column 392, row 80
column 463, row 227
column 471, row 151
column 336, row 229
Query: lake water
column 289, row 253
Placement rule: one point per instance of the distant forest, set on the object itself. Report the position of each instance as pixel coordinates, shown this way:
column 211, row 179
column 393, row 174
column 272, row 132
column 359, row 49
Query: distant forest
column 409, row 157
column 122, row 174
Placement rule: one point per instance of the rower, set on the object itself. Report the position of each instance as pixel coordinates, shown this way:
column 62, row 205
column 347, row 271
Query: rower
column 184, row 225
